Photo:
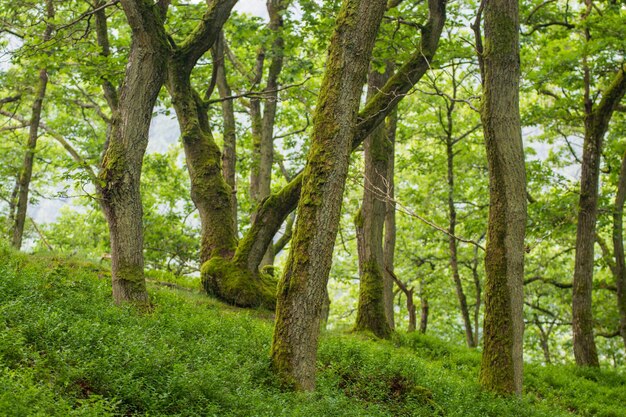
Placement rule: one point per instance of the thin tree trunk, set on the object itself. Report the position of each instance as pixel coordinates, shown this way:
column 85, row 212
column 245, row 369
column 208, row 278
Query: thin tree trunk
column 303, row 285
column 502, row 361
column 424, row 308
column 452, row 243
column 369, row 223
column 121, row 165
column 229, row 132
column 478, row 289
column 618, row 248
column 13, row 200
column 33, row 133
column 410, row 304
column 389, row 245
column 263, row 156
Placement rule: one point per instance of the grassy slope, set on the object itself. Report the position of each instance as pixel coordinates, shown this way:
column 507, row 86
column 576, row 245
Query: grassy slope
column 66, row 350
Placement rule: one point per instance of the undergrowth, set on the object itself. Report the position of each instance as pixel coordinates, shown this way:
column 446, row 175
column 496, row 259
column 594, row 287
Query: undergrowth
column 66, row 350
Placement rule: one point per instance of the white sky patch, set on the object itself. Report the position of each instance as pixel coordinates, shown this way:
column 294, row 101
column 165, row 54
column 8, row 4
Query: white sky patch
column 253, row 7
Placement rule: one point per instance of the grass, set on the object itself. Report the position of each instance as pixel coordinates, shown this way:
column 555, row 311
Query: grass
column 66, row 350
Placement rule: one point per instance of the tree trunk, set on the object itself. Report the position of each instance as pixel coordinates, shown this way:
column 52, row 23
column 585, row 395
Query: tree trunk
column 478, row 289
column 389, row 245
column 369, row 223
column 229, row 131
column 303, row 284
column 121, row 165
column 33, row 133
column 424, row 308
column 596, row 125
column 452, row 243
column 618, row 248
column 502, row 361
column 544, row 340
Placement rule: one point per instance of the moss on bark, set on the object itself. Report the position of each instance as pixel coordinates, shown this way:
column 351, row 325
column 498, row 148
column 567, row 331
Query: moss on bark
column 236, row 285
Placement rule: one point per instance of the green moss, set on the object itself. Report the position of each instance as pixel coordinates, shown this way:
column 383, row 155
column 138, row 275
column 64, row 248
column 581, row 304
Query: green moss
column 227, row 281
column 371, row 310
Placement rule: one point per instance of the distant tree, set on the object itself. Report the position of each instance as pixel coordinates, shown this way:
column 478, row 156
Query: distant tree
column 33, row 134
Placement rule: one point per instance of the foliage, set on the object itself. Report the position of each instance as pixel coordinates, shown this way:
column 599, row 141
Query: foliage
column 66, row 350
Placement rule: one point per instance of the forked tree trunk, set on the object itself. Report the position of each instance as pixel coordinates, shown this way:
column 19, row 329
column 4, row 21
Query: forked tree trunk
column 274, row 210
column 502, row 362
column 33, row 133
column 303, row 285
column 121, row 165
column 369, row 223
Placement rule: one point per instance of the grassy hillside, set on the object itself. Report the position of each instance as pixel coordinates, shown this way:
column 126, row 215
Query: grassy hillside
column 65, row 350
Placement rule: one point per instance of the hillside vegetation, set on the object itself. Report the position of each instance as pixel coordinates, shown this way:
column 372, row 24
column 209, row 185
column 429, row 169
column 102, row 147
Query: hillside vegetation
column 66, row 350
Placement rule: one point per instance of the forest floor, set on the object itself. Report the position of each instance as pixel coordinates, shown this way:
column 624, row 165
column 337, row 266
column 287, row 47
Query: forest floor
column 66, row 350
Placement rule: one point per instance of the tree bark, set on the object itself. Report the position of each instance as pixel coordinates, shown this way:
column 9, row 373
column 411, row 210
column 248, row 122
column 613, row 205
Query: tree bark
column 452, row 242
column 210, row 193
column 618, row 248
column 502, row 361
column 121, row 165
column 33, row 133
column 229, row 131
column 596, row 125
column 369, row 222
column 303, row 285
column 389, row 244
column 424, row 308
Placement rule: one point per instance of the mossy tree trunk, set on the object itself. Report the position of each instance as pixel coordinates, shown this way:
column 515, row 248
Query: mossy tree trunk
column 369, row 223
column 502, row 362
column 618, row 248
column 302, row 288
column 597, row 120
column 26, row 173
column 210, row 193
column 121, row 165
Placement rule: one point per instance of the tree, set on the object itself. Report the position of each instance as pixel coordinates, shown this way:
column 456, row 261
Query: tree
column 302, row 288
column 372, row 311
column 27, row 166
column 594, row 74
column 596, row 125
column 236, row 279
column 502, row 361
column 120, row 171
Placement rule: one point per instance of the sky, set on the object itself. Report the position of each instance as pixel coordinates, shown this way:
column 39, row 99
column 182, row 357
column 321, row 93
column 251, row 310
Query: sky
column 254, row 7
